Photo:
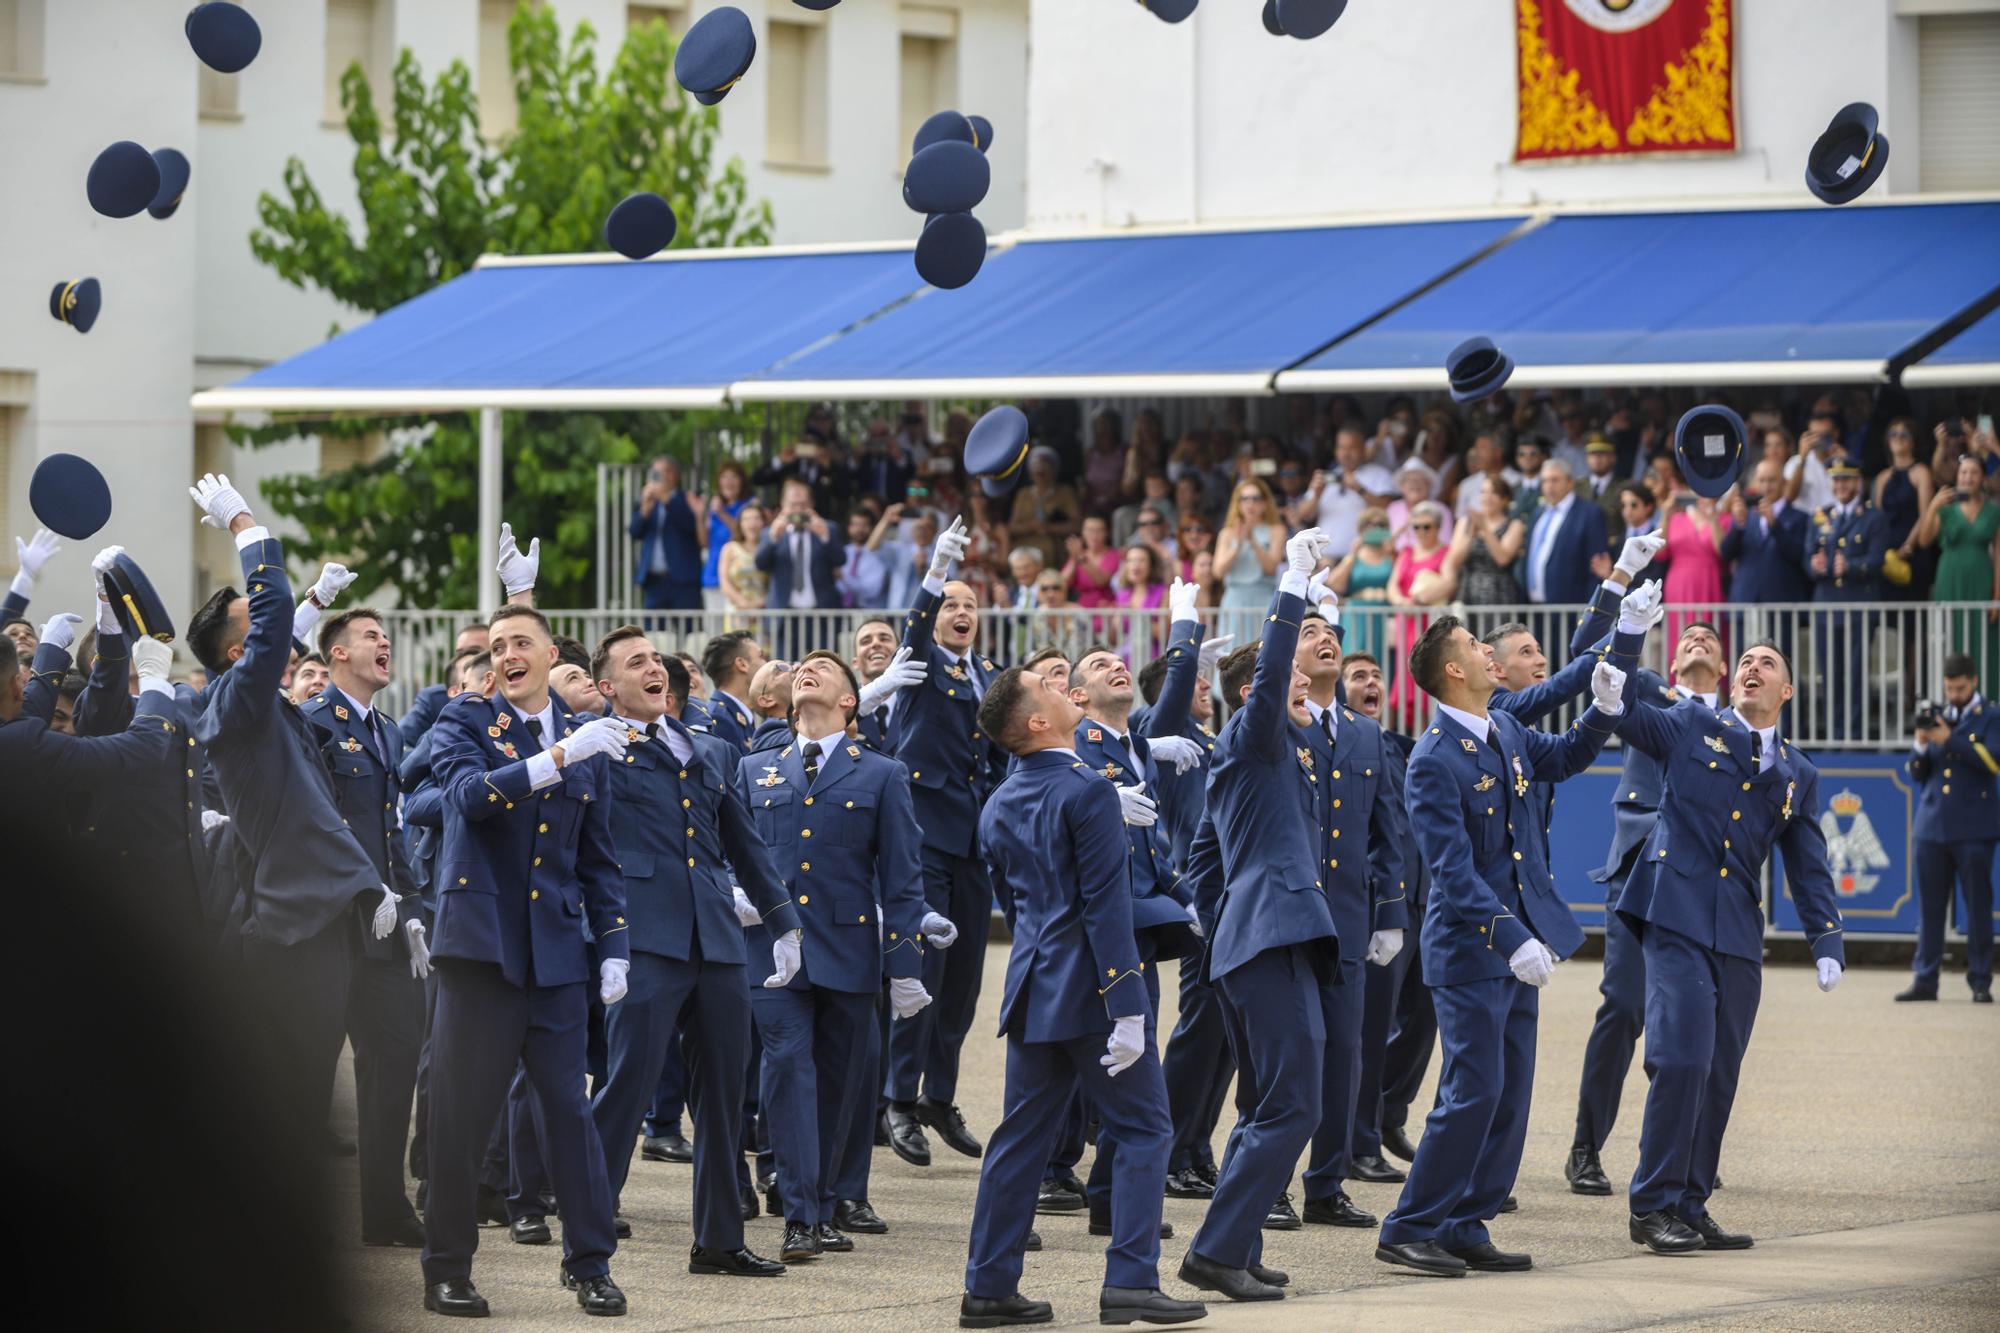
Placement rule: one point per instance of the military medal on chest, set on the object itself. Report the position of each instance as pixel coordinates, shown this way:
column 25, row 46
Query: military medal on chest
column 1520, row 778
column 1786, row 811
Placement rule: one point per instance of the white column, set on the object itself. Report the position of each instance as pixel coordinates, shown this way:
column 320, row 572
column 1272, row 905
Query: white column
column 489, row 509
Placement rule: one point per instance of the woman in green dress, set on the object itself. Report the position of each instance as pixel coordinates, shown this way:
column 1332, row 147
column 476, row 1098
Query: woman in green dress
column 1964, row 523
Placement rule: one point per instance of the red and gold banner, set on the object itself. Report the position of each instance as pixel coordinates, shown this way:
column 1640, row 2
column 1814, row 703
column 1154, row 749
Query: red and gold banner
column 1601, row 78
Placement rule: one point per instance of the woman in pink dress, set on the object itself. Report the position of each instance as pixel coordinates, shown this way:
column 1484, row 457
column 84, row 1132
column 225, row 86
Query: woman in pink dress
column 1693, row 557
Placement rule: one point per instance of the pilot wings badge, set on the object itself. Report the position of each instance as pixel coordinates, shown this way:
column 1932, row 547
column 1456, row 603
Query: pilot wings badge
column 1485, row 783
column 1853, row 856
column 1305, row 757
column 772, row 777
column 1716, row 743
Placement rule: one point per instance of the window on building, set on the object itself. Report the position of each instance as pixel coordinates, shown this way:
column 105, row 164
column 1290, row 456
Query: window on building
column 1958, row 101
column 928, row 70
column 21, row 39
column 499, row 110
column 356, row 32
column 218, row 92
column 795, row 131
column 675, row 16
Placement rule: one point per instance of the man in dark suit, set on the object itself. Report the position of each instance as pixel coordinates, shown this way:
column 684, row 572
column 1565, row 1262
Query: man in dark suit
column 527, row 857
column 802, row 554
column 669, row 532
column 1844, row 562
column 1766, row 541
column 1958, row 821
column 1567, row 549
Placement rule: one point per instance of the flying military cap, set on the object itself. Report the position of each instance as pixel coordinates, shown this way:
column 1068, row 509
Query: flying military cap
column 123, row 180
column 1849, row 156
column 1306, row 19
column 77, row 303
column 1708, row 446
column 944, row 126
column 1477, row 369
column 947, row 177
column 640, row 225
column 140, row 612
column 951, row 250
column 69, row 496
column 174, row 174
column 223, row 35
column 1273, row 23
column 982, row 132
column 996, row 450
column 716, row 52
column 1173, row 11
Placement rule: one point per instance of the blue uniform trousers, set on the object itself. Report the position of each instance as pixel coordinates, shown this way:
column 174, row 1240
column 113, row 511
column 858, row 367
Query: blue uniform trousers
column 385, row 1013
column 486, row 1026
column 1133, row 1107
column 1411, row 1039
column 420, row 1124
column 923, row 1049
column 1471, row 1148
column 1381, row 987
column 527, row 1177
column 1103, row 1176
column 1970, row 865
column 1277, row 1028
column 1342, row 1004
column 1700, row 1007
column 663, row 1117
column 856, row 1154
column 706, row 1001
column 1071, row 1137
column 815, row 1041
column 1607, row 1055
column 1198, row 1070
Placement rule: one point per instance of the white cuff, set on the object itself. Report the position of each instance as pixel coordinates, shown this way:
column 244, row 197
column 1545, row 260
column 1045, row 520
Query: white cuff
column 1631, row 626
column 157, row 684
column 1293, row 583
column 542, row 771
column 251, row 535
column 1191, row 618
column 933, row 584
column 23, row 585
column 303, row 620
column 107, row 619
column 1615, row 589
column 1921, row 747
column 1619, row 711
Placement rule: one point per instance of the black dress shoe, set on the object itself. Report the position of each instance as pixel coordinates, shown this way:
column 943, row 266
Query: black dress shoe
column 857, row 1218
column 881, row 1129
column 1281, row 1217
column 339, row 1145
column 732, row 1263
column 950, row 1127
column 598, row 1295
column 1509, row 1205
column 1487, row 1257
column 1209, row 1173
column 1188, row 1184
column 830, row 1239
column 1338, row 1211
column 1917, row 991
column 1584, row 1173
column 1149, row 1305
column 1663, row 1233
column 1376, row 1170
column 406, row 1232
column 906, row 1136
column 1397, row 1144
column 1714, row 1237
column 667, row 1148
column 620, row 1227
column 1270, row 1277
column 800, row 1244
column 1982, row 997
column 491, row 1207
column 529, row 1231
column 1033, row 1244
column 1100, row 1225
column 456, row 1296
column 1425, row 1256
column 1055, row 1196
column 773, row 1204
column 746, row 1199
column 1000, row 1311
column 1235, row 1283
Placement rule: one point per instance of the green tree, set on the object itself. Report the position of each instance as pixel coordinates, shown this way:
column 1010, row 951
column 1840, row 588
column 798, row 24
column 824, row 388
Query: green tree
column 434, row 196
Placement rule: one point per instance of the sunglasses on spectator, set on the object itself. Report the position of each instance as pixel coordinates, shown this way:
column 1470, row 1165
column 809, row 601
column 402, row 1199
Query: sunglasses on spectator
column 1424, row 527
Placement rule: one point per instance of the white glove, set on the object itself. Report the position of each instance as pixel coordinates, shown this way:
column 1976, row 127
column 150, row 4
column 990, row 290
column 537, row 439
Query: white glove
column 1829, row 974
column 211, row 820
column 100, row 565
column 906, row 996
column 333, row 581
column 420, row 950
column 152, row 659
column 1323, row 598
column 1303, row 551
column 1607, row 689
column 1533, row 964
column 1213, row 651
column 517, row 571
column 600, row 735
column 1179, row 751
column 784, row 957
column 35, row 552
column 1180, row 600
column 1138, row 808
column 59, row 631
column 1194, row 922
column 746, row 911
column 1125, row 1045
column 900, row 674
column 611, row 979
column 220, row 502
column 938, row 930
column 950, row 549
column 1639, row 552
column 1383, row 946
column 385, row 915
column 1642, row 608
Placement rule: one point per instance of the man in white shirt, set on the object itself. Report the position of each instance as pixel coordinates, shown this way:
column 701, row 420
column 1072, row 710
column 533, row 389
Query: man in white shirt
column 1335, row 502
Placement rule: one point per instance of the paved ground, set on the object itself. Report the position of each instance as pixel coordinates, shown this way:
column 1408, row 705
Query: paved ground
column 1864, row 1155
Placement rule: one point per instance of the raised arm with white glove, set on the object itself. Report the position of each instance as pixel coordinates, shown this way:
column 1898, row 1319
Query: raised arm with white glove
column 31, row 555
column 938, row 929
column 1643, row 608
column 1607, row 689
column 1125, row 1045
column 1138, row 808
column 1213, row 651
column 1181, row 599
column 1323, row 598
column 950, row 549
column 154, row 663
column 1533, row 964
column 900, row 674
column 1179, row 751
column 906, row 996
column 100, row 565
column 517, row 571
column 333, row 580
column 220, row 502
column 1302, row 557
column 59, row 630
column 1638, row 552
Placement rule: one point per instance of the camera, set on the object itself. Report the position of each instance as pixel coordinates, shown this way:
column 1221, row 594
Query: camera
column 1928, row 714
column 798, row 520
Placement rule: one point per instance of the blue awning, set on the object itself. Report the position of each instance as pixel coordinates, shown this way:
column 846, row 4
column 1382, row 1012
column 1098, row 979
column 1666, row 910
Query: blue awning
column 1192, row 312
column 1794, row 295
column 1973, row 357
column 585, row 332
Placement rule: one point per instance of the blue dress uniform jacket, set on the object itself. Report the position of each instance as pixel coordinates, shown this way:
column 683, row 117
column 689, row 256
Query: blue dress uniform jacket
column 1770, row 558
column 951, row 762
column 45, row 776
column 1861, row 535
column 365, row 787
column 520, row 869
column 423, row 820
column 1359, row 806
column 773, row 733
column 728, row 720
column 695, row 716
column 1179, row 794
column 1956, row 798
column 423, row 711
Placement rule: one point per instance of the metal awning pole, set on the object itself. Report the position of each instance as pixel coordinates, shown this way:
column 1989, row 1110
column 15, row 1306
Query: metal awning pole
column 489, row 508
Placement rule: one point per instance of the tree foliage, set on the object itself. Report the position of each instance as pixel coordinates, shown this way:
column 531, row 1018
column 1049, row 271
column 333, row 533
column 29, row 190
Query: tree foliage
column 433, row 196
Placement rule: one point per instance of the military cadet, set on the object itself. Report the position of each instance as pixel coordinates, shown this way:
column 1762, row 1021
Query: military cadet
column 730, row 660
column 1956, row 754
column 527, row 856
column 1844, row 561
column 385, row 998
column 771, row 705
column 1734, row 789
column 431, row 699
column 1494, row 929
column 874, row 648
column 679, row 826
column 43, row 775
column 951, row 769
column 837, row 817
column 1074, row 1010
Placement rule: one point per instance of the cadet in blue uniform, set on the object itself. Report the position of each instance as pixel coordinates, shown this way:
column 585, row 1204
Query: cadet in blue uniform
column 1844, row 562
column 730, row 660
column 1958, row 821
column 1074, row 1011
column 527, row 854
column 838, row 820
column 1493, row 931
column 951, row 768
column 43, row 774
column 679, row 826
column 1734, row 789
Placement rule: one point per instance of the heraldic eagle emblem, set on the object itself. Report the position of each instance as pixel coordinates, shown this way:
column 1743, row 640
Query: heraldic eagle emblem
column 1854, row 855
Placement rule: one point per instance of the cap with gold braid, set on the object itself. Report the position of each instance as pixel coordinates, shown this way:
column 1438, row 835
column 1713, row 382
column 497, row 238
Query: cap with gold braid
column 1849, row 157
column 77, row 303
column 138, row 608
column 715, row 53
column 996, row 450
